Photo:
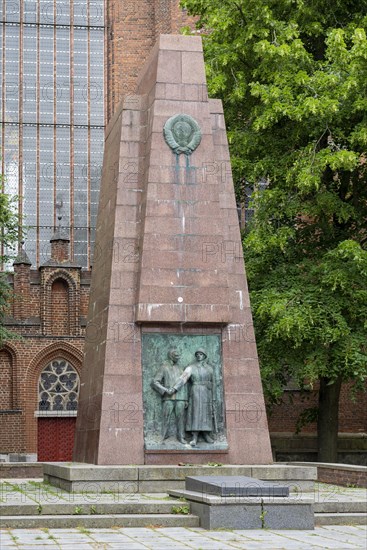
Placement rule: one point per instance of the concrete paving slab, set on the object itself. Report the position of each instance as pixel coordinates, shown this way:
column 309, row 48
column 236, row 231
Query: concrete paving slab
column 108, row 537
column 127, row 546
column 344, row 538
column 353, row 530
column 321, row 541
column 194, row 538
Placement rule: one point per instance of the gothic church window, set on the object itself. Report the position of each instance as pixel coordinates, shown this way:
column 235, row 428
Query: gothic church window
column 58, row 387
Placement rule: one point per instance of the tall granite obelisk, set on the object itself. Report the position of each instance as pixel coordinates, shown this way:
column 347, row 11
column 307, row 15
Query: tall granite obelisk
column 170, row 372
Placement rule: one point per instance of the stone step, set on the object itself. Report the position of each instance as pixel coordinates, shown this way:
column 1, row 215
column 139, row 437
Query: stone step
column 99, row 521
column 150, row 507
column 78, row 477
column 341, row 507
column 91, row 508
column 341, row 519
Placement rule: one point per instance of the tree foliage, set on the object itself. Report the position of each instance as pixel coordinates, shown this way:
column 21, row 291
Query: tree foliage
column 292, row 75
column 9, row 234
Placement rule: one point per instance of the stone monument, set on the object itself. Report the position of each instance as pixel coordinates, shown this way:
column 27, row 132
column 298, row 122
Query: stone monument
column 170, row 372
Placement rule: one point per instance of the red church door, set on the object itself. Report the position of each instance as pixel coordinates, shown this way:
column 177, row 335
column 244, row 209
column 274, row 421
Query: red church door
column 56, row 439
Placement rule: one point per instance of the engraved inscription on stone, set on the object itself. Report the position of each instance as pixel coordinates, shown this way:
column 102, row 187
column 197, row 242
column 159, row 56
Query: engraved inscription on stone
column 183, row 392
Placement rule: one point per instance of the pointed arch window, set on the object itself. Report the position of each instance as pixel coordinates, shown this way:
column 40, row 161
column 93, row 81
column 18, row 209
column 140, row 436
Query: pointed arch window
column 58, row 387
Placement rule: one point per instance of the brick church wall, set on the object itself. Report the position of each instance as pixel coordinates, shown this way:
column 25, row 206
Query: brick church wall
column 352, row 413
column 132, row 29
column 59, row 308
column 6, row 386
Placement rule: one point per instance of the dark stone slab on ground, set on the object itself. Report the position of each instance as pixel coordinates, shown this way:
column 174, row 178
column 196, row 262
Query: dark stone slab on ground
column 240, row 486
column 276, row 515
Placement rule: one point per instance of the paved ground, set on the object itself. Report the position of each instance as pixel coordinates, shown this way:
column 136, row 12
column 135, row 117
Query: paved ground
column 335, row 537
column 21, row 491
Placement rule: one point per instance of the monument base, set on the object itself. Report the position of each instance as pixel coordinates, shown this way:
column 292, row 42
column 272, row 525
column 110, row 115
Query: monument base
column 218, row 512
column 242, row 502
column 171, row 444
column 90, row 478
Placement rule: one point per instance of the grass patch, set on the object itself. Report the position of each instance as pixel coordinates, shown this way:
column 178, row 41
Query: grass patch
column 83, row 530
column 180, row 510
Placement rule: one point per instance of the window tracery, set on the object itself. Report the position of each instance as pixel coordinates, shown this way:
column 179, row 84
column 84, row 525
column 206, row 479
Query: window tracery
column 58, row 387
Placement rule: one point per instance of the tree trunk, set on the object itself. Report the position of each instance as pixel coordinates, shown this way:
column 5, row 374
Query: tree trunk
column 327, row 424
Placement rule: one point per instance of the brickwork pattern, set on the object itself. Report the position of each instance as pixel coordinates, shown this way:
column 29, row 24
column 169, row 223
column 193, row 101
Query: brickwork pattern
column 347, row 478
column 352, row 413
column 47, row 315
column 60, row 308
column 12, row 432
column 21, row 305
column 71, row 281
column 132, row 30
column 6, row 389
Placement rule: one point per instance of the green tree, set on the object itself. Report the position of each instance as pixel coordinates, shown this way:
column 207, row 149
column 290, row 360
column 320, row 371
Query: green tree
column 9, row 234
column 292, row 75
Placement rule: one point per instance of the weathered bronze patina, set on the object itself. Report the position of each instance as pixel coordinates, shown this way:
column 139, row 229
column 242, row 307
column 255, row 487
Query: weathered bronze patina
column 201, row 417
column 182, row 134
column 186, row 407
column 174, row 404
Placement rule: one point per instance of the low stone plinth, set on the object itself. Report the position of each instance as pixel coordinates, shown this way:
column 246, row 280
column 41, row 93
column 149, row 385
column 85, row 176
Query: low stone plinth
column 339, row 474
column 219, row 512
column 23, row 470
column 237, row 486
column 91, row 478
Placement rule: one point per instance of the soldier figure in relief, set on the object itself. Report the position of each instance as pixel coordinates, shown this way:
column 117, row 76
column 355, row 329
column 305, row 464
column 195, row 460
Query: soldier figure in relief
column 201, row 413
column 173, row 402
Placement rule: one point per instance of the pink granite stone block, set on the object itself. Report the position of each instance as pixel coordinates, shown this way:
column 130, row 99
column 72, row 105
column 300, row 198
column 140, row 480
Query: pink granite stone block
column 180, row 43
column 195, row 92
column 121, row 445
column 249, row 446
column 216, row 106
column 203, row 313
column 163, row 207
column 160, row 91
column 167, row 313
column 123, row 383
column 193, row 69
column 163, row 175
column 169, row 66
column 128, row 197
column 130, row 229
